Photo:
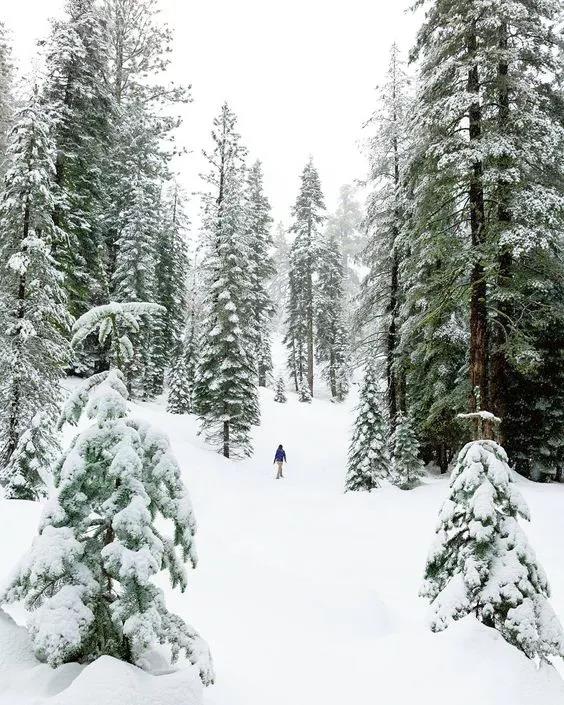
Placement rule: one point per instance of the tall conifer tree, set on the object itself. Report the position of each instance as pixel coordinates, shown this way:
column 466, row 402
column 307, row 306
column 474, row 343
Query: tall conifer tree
column 308, row 214
column 226, row 388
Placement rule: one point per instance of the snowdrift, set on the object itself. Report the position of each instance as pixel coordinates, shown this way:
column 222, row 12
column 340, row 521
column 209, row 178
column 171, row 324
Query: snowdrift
column 107, row 681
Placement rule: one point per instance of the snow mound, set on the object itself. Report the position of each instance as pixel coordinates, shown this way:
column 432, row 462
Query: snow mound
column 467, row 664
column 107, row 681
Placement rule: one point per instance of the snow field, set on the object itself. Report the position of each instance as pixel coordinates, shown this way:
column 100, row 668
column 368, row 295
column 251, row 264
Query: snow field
column 306, row 595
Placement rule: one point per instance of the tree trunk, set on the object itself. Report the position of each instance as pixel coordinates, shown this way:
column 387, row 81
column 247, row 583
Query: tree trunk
column 392, row 342
column 443, row 458
column 226, row 439
column 309, row 295
column 332, row 375
column 478, row 311
column 499, row 366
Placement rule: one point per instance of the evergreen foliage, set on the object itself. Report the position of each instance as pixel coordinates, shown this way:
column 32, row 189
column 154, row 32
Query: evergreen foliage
column 280, row 393
column 481, row 562
column 368, row 460
column 261, row 268
column 331, row 335
column 486, row 216
column 27, row 473
column 406, row 465
column 304, row 395
column 308, row 215
column 388, row 147
column 88, row 578
column 6, row 97
column 33, row 314
column 225, row 394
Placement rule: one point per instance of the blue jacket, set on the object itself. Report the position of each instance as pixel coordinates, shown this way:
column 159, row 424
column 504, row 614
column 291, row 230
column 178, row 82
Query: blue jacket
column 280, row 456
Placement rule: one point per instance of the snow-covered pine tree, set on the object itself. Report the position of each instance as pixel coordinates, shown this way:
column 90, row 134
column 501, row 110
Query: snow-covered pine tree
column 88, row 578
column 81, row 105
column 183, row 372
column 226, row 391
column 6, row 97
column 406, row 465
column 331, row 336
column 304, row 394
column 26, row 473
column 134, row 275
column 259, row 222
column 142, row 145
column 33, row 315
column 307, row 216
column 179, row 386
column 346, row 226
column 171, row 274
column 489, row 132
column 381, row 291
column 481, row 562
column 279, row 282
column 280, row 393
column 369, row 460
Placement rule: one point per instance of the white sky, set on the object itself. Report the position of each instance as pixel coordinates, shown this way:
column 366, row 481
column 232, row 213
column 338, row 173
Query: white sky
column 300, row 74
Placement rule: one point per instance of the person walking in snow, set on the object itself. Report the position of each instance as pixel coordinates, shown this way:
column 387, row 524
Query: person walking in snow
column 279, row 460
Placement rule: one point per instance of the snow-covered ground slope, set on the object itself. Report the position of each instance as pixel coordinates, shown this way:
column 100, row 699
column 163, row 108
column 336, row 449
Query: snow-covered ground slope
column 307, row 596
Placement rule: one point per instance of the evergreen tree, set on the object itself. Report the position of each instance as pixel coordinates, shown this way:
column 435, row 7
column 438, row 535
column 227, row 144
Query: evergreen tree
column 81, row 106
column 304, row 395
column 179, row 387
column 279, row 283
column 332, row 343
column 25, row 475
column 183, row 374
column 406, row 465
column 142, row 145
column 485, row 167
column 171, row 284
column 116, row 478
column 308, row 215
column 381, row 293
column 368, row 459
column 33, row 316
column 6, row 97
column 481, row 562
column 261, row 268
column 226, row 393
column 346, row 226
column 280, row 393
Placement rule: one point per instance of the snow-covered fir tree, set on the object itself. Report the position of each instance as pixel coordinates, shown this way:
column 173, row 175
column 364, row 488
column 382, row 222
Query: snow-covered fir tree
column 179, row 386
column 369, row 460
column 98, row 549
column 80, row 103
column 406, row 465
column 6, row 96
column 33, row 315
column 279, row 282
column 226, row 397
column 481, row 562
column 346, row 225
column 331, row 335
column 171, row 274
column 182, row 377
column 381, row 291
column 487, row 203
column 138, row 209
column 308, row 213
column 304, row 395
column 280, row 392
column 27, row 473
column 261, row 268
